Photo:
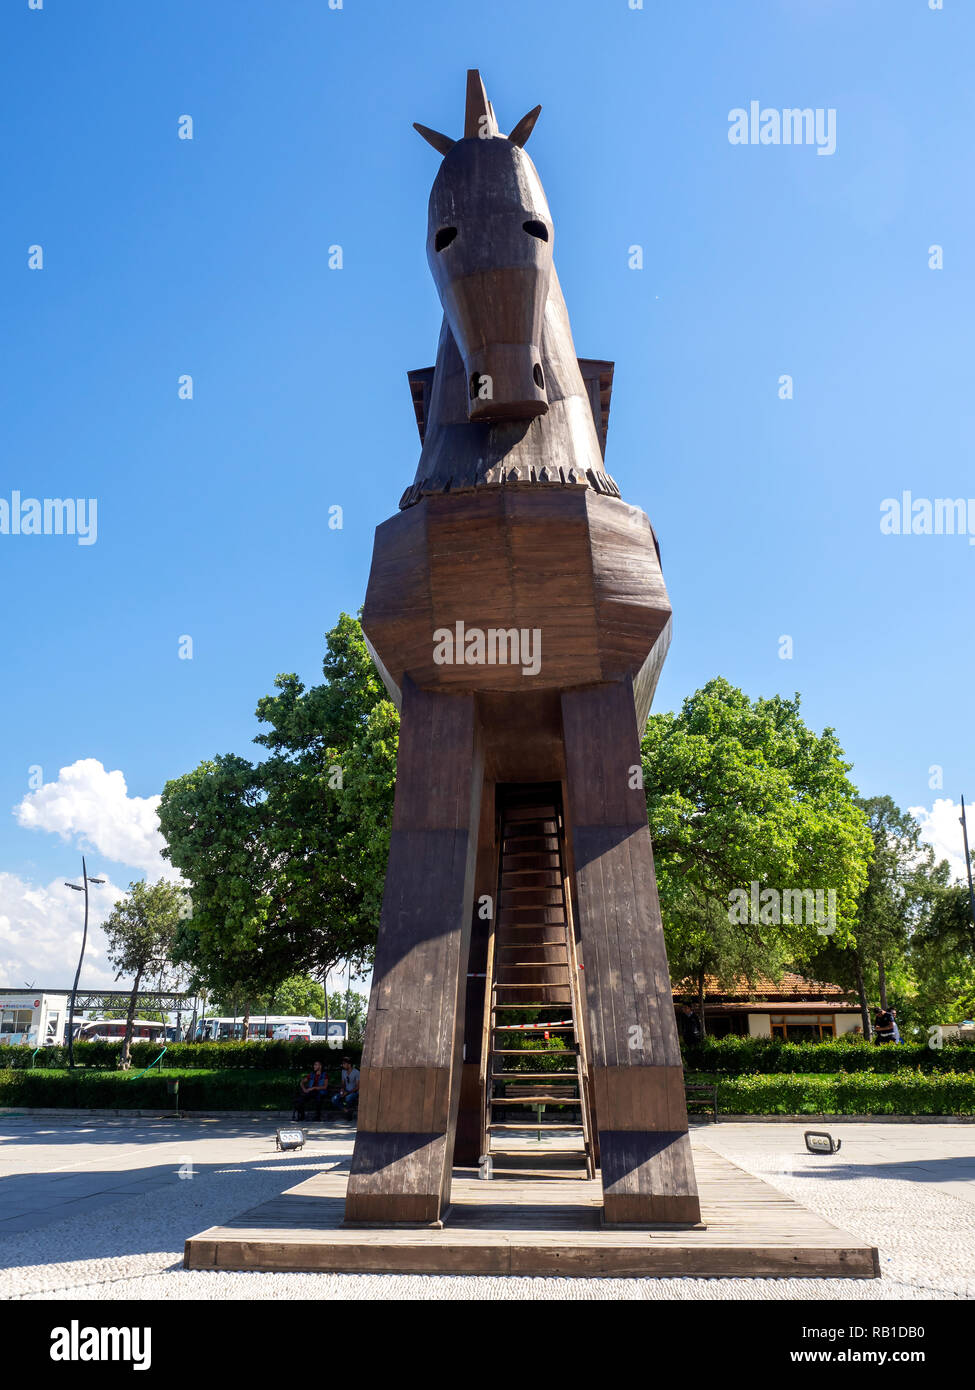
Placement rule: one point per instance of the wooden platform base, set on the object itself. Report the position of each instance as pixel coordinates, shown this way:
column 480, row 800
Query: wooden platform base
column 540, row 1221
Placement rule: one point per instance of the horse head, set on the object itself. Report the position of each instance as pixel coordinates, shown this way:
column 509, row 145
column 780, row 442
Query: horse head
column 489, row 245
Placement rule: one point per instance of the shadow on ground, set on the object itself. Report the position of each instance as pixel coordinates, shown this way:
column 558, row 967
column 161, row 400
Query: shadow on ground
column 136, row 1210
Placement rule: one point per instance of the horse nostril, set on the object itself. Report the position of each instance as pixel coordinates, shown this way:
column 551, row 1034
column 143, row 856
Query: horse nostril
column 444, row 237
column 538, row 229
column 539, row 379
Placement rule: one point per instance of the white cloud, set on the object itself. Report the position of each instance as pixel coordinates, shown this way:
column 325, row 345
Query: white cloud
column 92, row 806
column 41, row 929
column 940, row 828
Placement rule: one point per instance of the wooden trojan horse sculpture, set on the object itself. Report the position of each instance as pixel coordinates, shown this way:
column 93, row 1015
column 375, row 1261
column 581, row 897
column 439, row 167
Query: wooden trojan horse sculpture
column 517, row 613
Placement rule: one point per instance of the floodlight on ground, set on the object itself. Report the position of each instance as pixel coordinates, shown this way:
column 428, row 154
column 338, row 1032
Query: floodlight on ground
column 290, row 1138
column 819, row 1142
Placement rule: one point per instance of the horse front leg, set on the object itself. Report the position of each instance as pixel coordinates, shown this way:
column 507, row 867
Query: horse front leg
column 411, row 1061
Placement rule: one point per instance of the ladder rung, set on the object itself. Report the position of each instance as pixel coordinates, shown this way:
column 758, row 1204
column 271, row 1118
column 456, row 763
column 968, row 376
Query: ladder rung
column 533, row 984
column 519, row 1027
column 549, row 1151
column 534, row 854
column 520, row 944
column 532, row 1100
column 534, row 964
column 532, row 1075
column 500, row 1008
column 530, row 1051
column 539, row 1124
column 534, row 926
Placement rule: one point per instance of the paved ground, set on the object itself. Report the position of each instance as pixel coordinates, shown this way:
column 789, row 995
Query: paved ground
column 100, row 1207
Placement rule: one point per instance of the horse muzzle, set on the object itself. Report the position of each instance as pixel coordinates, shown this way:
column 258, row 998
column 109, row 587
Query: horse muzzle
column 506, row 382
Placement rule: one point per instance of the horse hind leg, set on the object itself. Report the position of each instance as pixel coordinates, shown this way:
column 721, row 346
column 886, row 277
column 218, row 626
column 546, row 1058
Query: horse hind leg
column 635, row 1067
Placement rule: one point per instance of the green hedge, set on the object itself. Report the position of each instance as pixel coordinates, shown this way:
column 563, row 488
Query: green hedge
column 747, row 1056
column 863, row 1093
column 114, row 1090
column 263, row 1056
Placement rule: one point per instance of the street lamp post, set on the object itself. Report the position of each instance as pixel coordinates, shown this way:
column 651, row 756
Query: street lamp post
column 81, row 887
column 968, row 861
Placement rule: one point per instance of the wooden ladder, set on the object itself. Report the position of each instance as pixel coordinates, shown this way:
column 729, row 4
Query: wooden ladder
column 534, row 985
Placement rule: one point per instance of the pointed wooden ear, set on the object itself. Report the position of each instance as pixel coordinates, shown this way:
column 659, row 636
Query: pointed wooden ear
column 524, row 128
column 479, row 121
column 443, row 143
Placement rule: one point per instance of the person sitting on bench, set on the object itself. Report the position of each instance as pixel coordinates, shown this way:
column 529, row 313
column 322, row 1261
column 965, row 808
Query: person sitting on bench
column 347, row 1098
column 312, row 1091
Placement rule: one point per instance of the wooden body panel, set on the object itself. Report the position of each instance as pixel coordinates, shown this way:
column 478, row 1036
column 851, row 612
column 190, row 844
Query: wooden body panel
column 578, row 568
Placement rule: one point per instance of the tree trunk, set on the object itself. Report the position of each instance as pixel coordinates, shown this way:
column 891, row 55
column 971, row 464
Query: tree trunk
column 883, row 982
column 247, row 1021
column 861, row 990
column 129, row 1017
column 700, row 1001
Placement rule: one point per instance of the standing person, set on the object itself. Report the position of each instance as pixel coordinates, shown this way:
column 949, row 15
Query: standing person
column 312, row 1091
column 347, row 1097
column 690, row 1025
column 897, row 1031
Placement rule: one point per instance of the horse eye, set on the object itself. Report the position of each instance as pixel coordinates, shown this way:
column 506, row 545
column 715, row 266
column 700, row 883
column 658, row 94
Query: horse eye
column 538, row 229
column 444, row 237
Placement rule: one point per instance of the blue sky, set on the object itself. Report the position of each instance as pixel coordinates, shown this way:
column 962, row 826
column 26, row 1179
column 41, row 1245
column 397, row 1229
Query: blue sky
column 210, row 257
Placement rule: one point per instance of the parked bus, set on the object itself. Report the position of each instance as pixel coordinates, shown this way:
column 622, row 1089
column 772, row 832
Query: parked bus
column 113, row 1030
column 269, row 1026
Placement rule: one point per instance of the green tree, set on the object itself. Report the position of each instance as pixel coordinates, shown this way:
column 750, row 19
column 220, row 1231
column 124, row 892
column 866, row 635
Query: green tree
column 942, row 956
column 742, row 792
column 352, row 1007
column 902, row 889
column 141, row 930
column 286, row 857
column 299, row 995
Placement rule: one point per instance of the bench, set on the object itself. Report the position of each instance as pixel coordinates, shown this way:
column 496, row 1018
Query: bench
column 327, row 1108
column 703, row 1093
